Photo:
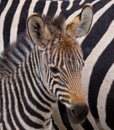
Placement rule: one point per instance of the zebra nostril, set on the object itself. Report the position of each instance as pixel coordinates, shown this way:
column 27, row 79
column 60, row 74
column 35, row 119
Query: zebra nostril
column 77, row 113
column 74, row 112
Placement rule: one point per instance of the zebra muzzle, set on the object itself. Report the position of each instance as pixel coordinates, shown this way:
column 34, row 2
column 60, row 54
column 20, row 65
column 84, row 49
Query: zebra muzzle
column 77, row 113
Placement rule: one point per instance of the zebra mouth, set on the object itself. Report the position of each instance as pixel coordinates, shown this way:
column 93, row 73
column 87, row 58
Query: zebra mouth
column 77, row 114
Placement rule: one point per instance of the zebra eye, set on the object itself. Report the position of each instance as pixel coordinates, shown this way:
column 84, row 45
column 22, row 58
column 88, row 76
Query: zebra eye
column 54, row 70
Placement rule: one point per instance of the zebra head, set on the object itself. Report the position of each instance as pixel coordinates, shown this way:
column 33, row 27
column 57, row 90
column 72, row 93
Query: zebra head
column 62, row 59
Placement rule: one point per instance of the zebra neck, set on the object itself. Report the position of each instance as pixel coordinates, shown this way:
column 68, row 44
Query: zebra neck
column 15, row 55
column 24, row 93
column 24, row 58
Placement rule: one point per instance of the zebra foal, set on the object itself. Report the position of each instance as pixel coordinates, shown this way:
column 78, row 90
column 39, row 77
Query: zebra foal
column 41, row 68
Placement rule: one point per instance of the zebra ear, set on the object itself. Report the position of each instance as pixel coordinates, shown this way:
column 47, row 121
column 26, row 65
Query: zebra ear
column 80, row 25
column 37, row 29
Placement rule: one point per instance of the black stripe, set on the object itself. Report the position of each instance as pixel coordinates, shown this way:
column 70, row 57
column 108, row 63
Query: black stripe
column 66, row 13
column 38, row 105
column 40, row 6
column 26, row 119
column 10, row 59
column 100, row 69
column 20, row 46
column 87, row 125
column 6, row 65
column 23, row 17
column 64, row 116
column 97, row 31
column 9, row 120
column 3, row 5
column 23, row 38
column 55, row 126
column 52, row 9
column 13, row 106
column 110, row 107
column 54, row 82
column 36, row 79
column 21, row 110
column 12, row 102
column 45, row 92
column 8, row 22
column 17, row 55
column 99, row 5
column 4, row 127
column 28, row 108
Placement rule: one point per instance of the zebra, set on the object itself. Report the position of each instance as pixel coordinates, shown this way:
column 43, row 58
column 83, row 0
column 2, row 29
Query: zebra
column 97, row 74
column 40, row 68
column 98, row 82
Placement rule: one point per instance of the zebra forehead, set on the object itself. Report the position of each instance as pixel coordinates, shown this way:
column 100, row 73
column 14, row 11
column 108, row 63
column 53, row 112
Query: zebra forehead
column 65, row 54
column 64, row 42
column 58, row 22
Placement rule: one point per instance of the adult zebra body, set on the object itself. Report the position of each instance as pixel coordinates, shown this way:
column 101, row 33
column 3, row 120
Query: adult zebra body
column 38, row 71
column 98, row 71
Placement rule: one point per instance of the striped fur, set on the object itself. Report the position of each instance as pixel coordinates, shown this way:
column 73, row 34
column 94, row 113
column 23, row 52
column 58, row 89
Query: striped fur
column 97, row 45
column 39, row 70
column 23, row 106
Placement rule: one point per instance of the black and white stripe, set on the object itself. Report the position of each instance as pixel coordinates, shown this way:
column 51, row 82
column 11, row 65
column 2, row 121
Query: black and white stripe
column 98, row 73
column 16, row 12
column 98, row 51
column 100, row 62
column 26, row 104
column 39, row 70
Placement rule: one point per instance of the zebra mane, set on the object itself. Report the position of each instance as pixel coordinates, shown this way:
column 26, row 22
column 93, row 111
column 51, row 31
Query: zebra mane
column 57, row 21
column 15, row 54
